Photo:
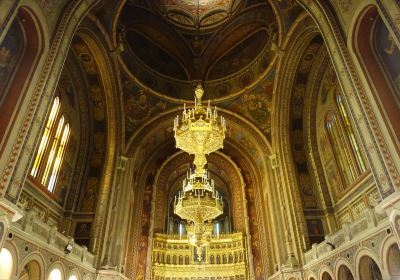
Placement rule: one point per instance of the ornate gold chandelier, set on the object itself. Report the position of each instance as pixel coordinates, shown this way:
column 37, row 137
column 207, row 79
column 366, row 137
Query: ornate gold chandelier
column 199, row 203
column 199, row 132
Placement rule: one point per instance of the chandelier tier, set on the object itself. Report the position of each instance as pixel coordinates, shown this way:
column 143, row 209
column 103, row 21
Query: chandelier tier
column 199, row 132
column 199, row 203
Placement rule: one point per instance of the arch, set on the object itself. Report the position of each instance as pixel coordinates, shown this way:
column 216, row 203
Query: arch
column 343, row 265
column 33, row 33
column 383, row 91
column 368, row 269
column 32, row 267
column 250, row 161
column 11, row 247
column 73, row 275
column 302, row 43
column 108, row 84
column 6, row 264
column 325, row 273
column 392, row 260
column 326, row 276
column 344, row 273
column 55, row 274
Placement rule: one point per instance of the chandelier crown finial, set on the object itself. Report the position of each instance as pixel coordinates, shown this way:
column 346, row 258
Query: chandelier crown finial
column 199, row 91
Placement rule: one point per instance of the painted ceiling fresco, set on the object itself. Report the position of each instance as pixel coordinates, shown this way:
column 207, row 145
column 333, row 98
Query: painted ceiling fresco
column 164, row 59
column 197, row 13
column 167, row 59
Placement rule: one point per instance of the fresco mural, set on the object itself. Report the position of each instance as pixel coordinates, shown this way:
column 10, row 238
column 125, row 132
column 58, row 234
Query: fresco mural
column 255, row 104
column 168, row 60
column 10, row 55
column 242, row 54
column 307, row 187
column 139, row 106
column 388, row 54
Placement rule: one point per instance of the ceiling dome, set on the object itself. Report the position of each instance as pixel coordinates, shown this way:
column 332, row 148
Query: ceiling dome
column 168, row 55
column 203, row 14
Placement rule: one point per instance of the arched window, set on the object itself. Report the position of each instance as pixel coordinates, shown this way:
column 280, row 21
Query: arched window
column 345, row 156
column 350, row 134
column 6, row 264
column 73, row 277
column 51, row 150
column 55, row 274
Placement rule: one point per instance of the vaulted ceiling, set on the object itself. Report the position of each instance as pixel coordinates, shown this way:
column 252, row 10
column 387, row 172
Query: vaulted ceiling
column 170, row 44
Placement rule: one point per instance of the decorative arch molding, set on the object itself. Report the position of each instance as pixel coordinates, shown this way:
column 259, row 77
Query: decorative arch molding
column 16, row 92
column 14, row 169
column 342, row 262
column 389, row 241
column 364, row 252
column 382, row 161
column 325, row 270
column 73, row 272
column 237, row 185
column 57, row 265
column 256, row 145
column 297, row 40
column 34, row 257
column 109, row 87
column 311, row 276
column 377, row 82
column 248, row 148
column 10, row 246
column 224, row 163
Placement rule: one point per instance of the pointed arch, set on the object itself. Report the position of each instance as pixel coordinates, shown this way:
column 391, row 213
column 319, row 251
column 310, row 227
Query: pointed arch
column 33, row 48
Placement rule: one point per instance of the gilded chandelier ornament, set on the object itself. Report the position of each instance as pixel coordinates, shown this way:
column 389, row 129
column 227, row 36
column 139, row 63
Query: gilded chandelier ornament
column 199, row 131
column 199, row 203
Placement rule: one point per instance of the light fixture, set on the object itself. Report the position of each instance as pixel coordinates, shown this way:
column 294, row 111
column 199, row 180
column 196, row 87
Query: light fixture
column 199, row 203
column 68, row 248
column 199, row 131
